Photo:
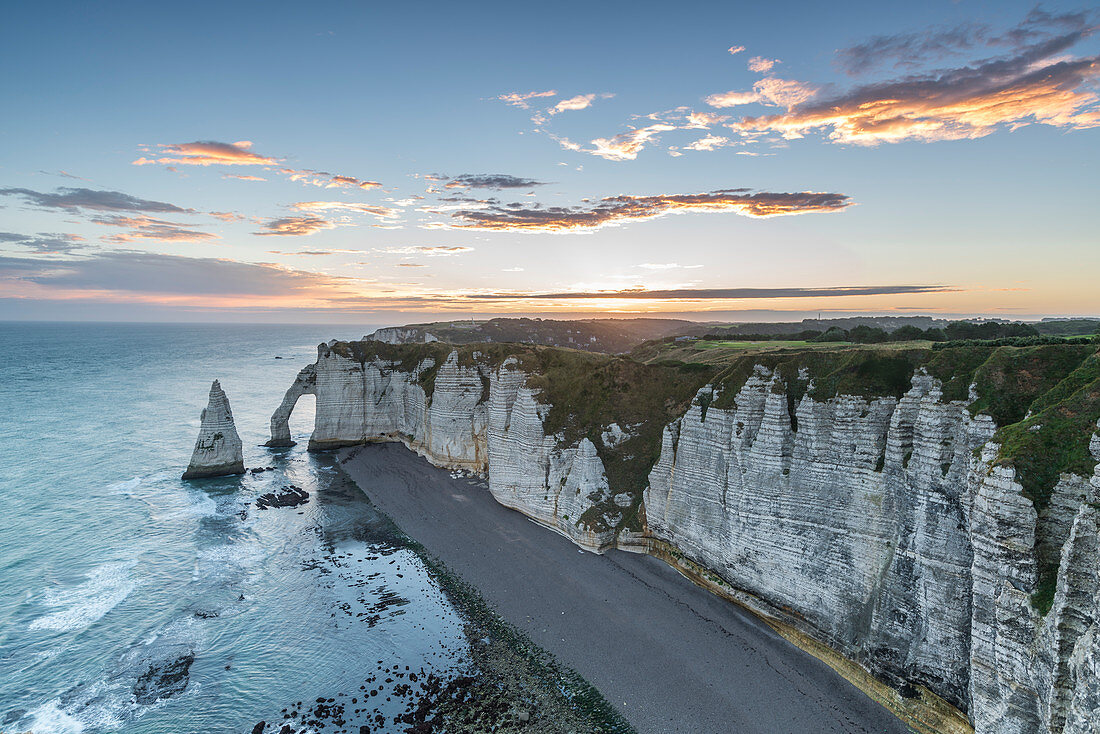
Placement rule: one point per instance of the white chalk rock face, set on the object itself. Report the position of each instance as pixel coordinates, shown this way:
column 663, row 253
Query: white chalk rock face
column 885, row 528
column 476, row 418
column 218, row 450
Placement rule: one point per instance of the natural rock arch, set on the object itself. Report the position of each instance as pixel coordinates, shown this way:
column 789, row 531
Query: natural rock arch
column 304, row 384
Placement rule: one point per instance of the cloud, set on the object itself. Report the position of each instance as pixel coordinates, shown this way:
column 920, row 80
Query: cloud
column 150, row 277
column 703, row 120
column 207, row 153
column 769, row 91
column 626, row 146
column 710, row 142
column 759, row 64
column 428, row 250
column 616, row 210
column 213, row 153
column 45, row 243
column 783, row 92
column 708, row 294
column 227, row 216
column 910, row 51
column 666, row 266
column 495, row 181
column 326, row 180
column 580, row 102
column 382, row 212
column 1038, row 85
column 295, row 226
column 75, row 199
column 517, row 99
column 316, row 252
column 732, row 99
column 734, row 50
column 148, row 228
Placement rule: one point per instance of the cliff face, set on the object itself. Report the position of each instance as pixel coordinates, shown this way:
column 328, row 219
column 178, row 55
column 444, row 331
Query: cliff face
column 878, row 528
column 479, row 418
column 890, row 527
column 218, row 449
column 856, row 522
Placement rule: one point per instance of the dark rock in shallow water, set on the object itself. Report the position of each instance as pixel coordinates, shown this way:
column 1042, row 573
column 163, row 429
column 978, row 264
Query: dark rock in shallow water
column 259, row 728
column 289, row 496
column 163, row 679
column 13, row 716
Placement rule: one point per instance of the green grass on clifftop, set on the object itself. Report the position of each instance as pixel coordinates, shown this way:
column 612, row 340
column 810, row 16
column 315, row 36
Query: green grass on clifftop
column 1044, row 398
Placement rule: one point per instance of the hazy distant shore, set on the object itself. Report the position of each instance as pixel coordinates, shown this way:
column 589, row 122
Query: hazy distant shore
column 669, row 655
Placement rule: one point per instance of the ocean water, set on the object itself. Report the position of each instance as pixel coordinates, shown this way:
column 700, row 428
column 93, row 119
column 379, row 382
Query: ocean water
column 133, row 601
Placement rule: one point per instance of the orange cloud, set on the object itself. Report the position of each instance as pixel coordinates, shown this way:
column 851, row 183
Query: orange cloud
column 208, row 153
column 616, row 210
column 1039, row 85
column 770, row 91
column 147, row 228
column 227, row 216
column 734, row 50
column 295, row 226
column 326, row 180
column 213, row 153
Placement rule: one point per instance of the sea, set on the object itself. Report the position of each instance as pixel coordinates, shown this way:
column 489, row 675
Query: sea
column 134, row 601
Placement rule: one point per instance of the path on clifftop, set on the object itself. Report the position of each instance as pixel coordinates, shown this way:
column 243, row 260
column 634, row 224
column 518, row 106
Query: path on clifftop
column 669, row 655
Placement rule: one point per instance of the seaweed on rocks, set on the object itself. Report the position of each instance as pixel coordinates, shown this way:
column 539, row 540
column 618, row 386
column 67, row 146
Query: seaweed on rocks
column 502, row 681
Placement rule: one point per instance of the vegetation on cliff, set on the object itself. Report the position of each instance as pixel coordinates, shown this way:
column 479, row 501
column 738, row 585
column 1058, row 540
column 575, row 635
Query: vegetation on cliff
column 1045, row 397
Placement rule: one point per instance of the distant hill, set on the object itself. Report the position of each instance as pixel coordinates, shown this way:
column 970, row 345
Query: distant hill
column 619, row 336
column 592, row 335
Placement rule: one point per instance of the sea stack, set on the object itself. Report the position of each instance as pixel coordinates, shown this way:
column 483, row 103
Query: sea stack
column 218, row 450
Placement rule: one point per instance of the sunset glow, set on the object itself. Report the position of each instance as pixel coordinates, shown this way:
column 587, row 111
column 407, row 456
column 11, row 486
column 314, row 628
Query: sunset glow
column 942, row 159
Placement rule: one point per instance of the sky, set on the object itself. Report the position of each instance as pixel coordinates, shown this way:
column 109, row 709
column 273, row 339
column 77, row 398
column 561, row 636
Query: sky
column 391, row 163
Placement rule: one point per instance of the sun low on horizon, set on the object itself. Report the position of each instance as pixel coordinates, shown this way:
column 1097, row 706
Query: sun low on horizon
column 360, row 162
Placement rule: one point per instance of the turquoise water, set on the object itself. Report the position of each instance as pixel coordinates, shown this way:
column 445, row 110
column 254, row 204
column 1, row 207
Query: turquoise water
column 112, row 566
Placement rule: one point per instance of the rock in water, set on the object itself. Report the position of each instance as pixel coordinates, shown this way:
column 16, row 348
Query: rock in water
column 163, row 679
column 289, row 496
column 218, row 449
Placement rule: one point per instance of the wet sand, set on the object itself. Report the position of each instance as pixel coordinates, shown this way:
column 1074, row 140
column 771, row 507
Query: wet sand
column 669, row 655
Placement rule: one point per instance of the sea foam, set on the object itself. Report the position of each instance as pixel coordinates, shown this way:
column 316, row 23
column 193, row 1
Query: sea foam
column 81, row 605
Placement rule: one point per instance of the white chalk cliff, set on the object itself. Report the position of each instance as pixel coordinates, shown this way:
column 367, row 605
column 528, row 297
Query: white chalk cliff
column 218, row 449
column 883, row 527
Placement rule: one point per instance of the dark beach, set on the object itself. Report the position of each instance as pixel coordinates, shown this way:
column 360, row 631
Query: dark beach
column 670, row 656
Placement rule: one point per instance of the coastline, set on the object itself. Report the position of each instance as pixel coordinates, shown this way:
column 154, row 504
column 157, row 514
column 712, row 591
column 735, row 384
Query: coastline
column 668, row 654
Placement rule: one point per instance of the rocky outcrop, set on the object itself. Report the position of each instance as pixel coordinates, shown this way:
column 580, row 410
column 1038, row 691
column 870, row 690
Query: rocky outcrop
column 304, row 384
column 218, row 450
column 402, row 335
column 888, row 528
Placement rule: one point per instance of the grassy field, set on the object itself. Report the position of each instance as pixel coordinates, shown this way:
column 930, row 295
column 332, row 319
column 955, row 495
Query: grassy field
column 721, row 352
column 753, row 345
